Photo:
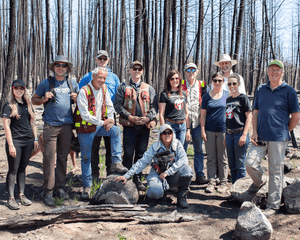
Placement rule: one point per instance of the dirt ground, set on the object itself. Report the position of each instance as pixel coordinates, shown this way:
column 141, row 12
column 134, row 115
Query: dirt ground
column 218, row 222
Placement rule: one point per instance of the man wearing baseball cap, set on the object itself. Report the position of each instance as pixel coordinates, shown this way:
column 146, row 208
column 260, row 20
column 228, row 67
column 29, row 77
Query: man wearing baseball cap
column 56, row 93
column 112, row 82
column 195, row 89
column 225, row 63
column 274, row 103
column 137, row 105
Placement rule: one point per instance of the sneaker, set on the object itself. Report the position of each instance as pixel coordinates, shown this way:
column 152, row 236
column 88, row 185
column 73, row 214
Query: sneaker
column 12, row 204
column 182, row 203
column 118, row 167
column 201, row 180
column 24, row 200
column 254, row 189
column 62, row 194
column 270, row 211
column 222, row 188
column 210, row 187
column 48, row 199
column 85, row 195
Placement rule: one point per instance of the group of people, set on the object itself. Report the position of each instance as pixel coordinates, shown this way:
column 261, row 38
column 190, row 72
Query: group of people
column 188, row 109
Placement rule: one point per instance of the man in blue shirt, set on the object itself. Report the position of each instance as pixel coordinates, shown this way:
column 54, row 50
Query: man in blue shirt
column 273, row 105
column 56, row 93
column 112, row 82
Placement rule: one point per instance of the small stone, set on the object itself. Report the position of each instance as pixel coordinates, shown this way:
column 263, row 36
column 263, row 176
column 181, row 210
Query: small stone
column 288, row 167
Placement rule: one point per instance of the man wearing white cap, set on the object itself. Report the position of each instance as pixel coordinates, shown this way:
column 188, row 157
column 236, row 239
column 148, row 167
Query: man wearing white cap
column 195, row 89
column 225, row 63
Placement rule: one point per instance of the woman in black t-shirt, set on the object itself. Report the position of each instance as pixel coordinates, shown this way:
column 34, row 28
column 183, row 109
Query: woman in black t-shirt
column 21, row 138
column 173, row 108
column 238, row 119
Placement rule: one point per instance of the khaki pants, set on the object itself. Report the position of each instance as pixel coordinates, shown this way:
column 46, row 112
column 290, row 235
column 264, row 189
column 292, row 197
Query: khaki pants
column 57, row 141
column 217, row 166
column 276, row 153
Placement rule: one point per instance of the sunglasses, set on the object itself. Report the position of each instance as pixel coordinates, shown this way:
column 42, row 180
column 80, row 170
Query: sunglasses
column 137, row 69
column 217, row 80
column 19, row 88
column 173, row 79
column 234, row 84
column 102, row 58
column 193, row 70
column 167, row 133
column 63, row 65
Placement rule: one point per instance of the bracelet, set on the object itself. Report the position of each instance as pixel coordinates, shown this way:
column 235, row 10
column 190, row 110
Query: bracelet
column 188, row 128
column 36, row 139
column 11, row 146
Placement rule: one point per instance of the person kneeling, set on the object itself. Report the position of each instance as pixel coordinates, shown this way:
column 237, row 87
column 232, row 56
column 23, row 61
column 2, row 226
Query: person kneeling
column 169, row 167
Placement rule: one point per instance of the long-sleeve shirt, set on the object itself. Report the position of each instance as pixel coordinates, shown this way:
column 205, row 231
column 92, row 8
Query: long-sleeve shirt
column 158, row 146
column 82, row 104
column 112, row 82
column 120, row 97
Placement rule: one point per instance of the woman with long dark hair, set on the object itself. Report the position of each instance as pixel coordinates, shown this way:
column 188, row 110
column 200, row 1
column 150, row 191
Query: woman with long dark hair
column 21, row 138
column 173, row 106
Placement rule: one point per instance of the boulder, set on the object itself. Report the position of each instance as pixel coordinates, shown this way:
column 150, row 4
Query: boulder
column 288, row 167
column 111, row 192
column 252, row 224
column 291, row 197
column 239, row 190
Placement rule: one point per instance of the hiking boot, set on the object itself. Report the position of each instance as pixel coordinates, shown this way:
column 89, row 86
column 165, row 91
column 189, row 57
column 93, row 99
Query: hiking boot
column 201, row 180
column 48, row 199
column 62, row 194
column 24, row 200
column 85, row 195
column 140, row 186
column 183, row 190
column 222, row 188
column 118, row 167
column 254, row 189
column 268, row 212
column 12, row 204
column 210, row 187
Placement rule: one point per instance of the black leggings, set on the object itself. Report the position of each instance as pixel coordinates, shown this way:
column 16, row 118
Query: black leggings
column 16, row 167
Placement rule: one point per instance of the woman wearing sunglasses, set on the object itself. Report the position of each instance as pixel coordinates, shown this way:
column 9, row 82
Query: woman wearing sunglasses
column 238, row 119
column 178, row 173
column 21, row 138
column 213, row 126
column 173, row 108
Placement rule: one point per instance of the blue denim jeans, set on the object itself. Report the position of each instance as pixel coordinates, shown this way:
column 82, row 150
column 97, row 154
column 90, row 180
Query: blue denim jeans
column 236, row 155
column 135, row 143
column 198, row 153
column 155, row 184
column 180, row 131
column 86, row 141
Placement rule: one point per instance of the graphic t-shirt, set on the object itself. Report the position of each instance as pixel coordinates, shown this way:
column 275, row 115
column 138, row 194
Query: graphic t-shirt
column 235, row 111
column 175, row 105
column 21, row 130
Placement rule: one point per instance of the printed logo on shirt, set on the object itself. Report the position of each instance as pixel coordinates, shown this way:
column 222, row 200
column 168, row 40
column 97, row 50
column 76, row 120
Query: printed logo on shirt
column 62, row 90
column 178, row 104
column 229, row 109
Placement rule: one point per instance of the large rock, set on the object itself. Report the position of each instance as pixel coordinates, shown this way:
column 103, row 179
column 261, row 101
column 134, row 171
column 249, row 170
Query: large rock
column 252, row 224
column 291, row 197
column 239, row 190
column 111, row 192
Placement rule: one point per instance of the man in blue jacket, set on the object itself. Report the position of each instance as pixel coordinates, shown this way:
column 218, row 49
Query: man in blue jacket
column 112, row 82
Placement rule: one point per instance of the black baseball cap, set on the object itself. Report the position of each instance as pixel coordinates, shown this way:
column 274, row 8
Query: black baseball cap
column 18, row 82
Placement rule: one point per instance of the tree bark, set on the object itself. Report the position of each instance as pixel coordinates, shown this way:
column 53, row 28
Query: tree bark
column 137, row 30
column 9, row 69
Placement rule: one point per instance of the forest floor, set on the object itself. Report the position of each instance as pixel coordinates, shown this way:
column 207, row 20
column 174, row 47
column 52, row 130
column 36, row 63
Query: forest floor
column 218, row 222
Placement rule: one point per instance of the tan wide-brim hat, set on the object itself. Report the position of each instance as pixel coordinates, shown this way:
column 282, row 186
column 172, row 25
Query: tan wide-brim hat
column 225, row 58
column 61, row 58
